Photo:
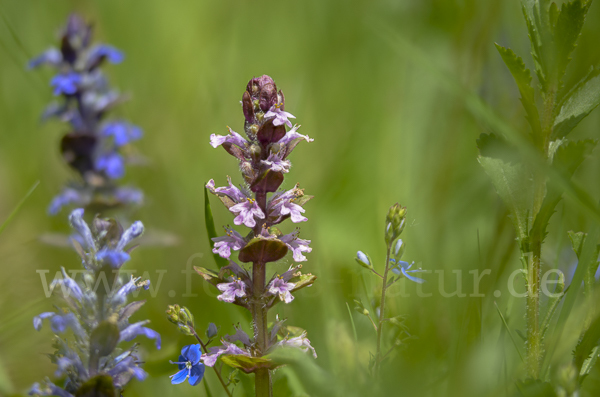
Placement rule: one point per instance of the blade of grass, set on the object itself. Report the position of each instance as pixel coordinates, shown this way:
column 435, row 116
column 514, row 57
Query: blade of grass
column 352, row 322
column 18, row 207
column 210, row 229
column 509, row 333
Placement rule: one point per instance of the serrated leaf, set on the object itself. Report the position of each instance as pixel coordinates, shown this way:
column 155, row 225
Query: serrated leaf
column 567, row 158
column 568, row 25
column 580, row 102
column 588, row 342
column 522, row 77
column 532, row 19
column 513, row 184
column 248, row 364
column 210, row 229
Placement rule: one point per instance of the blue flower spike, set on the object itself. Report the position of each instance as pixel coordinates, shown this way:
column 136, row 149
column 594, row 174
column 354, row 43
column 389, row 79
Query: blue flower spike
column 189, row 365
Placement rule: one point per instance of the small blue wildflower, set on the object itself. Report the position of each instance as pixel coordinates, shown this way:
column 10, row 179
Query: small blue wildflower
column 112, row 164
column 136, row 329
column 363, row 258
column 403, row 267
column 122, row 132
column 68, row 196
column 189, row 365
column 65, row 83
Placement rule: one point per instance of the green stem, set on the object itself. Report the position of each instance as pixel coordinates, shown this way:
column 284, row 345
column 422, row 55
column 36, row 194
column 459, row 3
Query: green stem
column 259, row 316
column 534, row 334
column 384, row 286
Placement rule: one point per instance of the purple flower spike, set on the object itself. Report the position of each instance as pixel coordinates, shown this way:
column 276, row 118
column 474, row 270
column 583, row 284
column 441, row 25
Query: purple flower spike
column 297, row 245
column 122, row 132
column 232, row 290
column 233, row 138
column 279, row 116
column 246, row 211
column 276, row 164
column 232, row 241
column 279, row 287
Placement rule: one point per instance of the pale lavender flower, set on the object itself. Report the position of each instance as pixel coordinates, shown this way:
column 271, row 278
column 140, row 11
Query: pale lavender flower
column 279, row 116
column 232, row 290
column 51, row 56
column 283, row 205
column 300, row 342
column 210, row 358
column 279, row 287
column 231, row 241
column 293, row 135
column 246, row 211
column 232, row 191
column 276, row 164
column 297, row 245
column 233, row 138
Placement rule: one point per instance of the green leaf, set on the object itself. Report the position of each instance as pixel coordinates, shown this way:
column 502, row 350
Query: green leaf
column 18, row 207
column 210, row 229
column 535, row 388
column 103, row 341
column 248, row 364
column 513, row 184
column 591, row 382
column 99, row 386
column 209, row 275
column 590, row 340
column 522, row 77
column 567, row 158
column 568, row 25
column 531, row 12
column 263, row 250
column 577, row 104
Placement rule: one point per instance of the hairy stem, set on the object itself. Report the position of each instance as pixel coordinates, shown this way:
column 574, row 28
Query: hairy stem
column 216, row 372
column 259, row 316
column 534, row 334
column 384, row 286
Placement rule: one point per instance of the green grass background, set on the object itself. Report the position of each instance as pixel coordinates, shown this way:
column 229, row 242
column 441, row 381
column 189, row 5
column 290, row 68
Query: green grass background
column 387, row 90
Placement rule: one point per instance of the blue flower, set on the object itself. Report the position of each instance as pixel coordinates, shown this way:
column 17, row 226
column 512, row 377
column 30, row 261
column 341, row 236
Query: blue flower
column 100, row 51
column 403, row 267
column 113, row 258
column 122, row 132
column 131, row 331
column 189, row 365
column 65, row 83
column 51, row 56
column 112, row 164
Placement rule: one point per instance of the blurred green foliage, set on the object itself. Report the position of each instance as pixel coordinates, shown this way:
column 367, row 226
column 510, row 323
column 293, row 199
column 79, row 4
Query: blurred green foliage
column 394, row 93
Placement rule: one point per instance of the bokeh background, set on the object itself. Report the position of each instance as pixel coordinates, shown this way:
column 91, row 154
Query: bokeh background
column 395, row 95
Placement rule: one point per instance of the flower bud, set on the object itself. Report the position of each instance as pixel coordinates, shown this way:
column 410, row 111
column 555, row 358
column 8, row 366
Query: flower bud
column 363, row 260
column 395, row 221
column 398, row 250
column 212, row 330
column 186, row 317
column 254, row 151
column 173, row 313
column 185, row 329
